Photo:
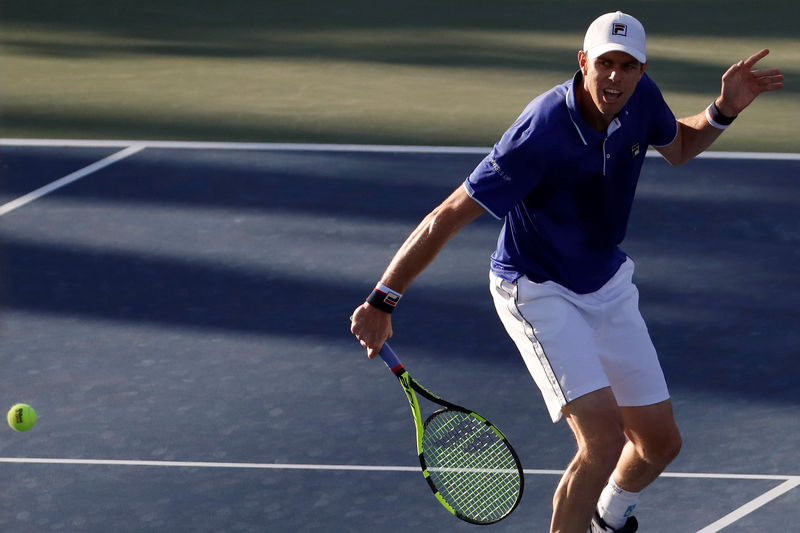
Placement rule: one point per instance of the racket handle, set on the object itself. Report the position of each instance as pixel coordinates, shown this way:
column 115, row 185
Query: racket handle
column 389, row 357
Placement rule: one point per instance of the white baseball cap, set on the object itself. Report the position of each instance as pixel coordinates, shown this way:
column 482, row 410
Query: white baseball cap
column 615, row 32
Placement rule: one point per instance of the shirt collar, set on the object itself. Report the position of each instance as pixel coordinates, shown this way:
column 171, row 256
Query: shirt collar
column 585, row 131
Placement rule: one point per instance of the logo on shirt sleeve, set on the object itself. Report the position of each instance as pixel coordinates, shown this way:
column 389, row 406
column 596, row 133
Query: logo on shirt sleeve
column 498, row 170
column 635, row 150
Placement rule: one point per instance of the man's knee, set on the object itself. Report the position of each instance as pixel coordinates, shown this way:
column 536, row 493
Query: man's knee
column 659, row 449
column 653, row 432
column 598, row 427
column 603, row 450
column 667, row 448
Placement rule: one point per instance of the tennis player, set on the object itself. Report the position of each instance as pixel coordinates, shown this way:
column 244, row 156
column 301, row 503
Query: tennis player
column 563, row 179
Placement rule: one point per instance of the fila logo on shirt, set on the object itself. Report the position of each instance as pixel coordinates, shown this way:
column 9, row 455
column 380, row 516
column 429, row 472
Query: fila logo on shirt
column 635, row 150
column 620, row 29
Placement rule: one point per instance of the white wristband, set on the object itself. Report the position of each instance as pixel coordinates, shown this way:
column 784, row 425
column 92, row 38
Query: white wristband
column 716, row 118
column 714, row 122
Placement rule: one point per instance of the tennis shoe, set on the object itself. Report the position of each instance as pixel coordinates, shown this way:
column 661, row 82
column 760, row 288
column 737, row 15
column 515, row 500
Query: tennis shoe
column 599, row 525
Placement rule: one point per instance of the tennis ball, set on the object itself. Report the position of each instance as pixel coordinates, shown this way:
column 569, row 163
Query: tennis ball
column 21, row 417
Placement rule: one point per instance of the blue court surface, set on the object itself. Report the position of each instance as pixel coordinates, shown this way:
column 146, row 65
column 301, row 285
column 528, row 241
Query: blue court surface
column 178, row 316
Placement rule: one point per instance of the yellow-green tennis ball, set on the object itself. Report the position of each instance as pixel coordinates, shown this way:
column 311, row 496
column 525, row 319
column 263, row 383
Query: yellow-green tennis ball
column 21, row 417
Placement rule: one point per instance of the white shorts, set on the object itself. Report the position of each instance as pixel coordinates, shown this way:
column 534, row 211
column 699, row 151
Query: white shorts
column 574, row 344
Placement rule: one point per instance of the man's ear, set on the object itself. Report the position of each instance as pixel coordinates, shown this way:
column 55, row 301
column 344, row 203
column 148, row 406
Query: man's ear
column 582, row 61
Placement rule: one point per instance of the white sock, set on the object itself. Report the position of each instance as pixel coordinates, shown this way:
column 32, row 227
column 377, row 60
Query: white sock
column 616, row 504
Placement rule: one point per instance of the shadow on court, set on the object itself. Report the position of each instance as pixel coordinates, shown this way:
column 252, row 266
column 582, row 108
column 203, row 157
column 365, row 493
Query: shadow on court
column 191, row 305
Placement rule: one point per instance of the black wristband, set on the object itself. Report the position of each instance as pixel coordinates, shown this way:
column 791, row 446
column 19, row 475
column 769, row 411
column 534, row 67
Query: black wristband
column 716, row 118
column 385, row 301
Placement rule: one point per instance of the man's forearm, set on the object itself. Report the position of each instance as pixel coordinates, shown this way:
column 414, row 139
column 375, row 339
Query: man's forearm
column 696, row 136
column 428, row 239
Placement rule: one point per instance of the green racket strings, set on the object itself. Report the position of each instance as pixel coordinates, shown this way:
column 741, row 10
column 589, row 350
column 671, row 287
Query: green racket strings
column 471, row 465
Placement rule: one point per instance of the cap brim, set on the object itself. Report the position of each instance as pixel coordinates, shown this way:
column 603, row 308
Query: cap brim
column 616, row 47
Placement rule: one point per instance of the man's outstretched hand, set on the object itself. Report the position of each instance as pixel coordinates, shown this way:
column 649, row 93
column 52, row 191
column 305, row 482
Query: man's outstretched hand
column 741, row 84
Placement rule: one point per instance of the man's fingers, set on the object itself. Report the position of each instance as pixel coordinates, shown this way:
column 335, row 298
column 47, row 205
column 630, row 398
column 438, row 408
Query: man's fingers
column 755, row 58
column 372, row 353
column 769, row 80
column 767, row 72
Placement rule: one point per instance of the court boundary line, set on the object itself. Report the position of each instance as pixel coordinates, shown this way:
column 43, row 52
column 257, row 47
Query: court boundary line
column 789, row 482
column 70, row 178
column 323, row 147
column 346, row 467
column 752, row 505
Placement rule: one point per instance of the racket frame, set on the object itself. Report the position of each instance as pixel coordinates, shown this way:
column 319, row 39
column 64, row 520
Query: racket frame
column 412, row 387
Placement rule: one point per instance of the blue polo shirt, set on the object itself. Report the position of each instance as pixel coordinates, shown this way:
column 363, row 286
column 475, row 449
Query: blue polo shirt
column 564, row 190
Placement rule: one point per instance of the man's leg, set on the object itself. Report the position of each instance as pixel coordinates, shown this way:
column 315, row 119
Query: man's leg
column 598, row 425
column 653, row 442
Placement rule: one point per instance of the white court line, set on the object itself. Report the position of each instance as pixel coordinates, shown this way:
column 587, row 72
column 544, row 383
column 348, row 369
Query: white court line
column 321, row 147
column 69, row 178
column 205, row 464
column 375, row 468
column 767, row 477
column 751, row 506
column 267, row 147
column 789, row 482
column 211, row 464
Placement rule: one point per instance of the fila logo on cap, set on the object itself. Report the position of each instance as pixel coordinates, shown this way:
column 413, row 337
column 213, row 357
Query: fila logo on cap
column 619, row 29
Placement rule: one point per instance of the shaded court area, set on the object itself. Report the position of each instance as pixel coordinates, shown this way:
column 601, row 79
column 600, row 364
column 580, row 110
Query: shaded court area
column 178, row 317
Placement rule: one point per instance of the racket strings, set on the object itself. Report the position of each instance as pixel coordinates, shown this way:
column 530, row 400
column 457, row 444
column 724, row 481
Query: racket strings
column 472, row 467
column 476, row 473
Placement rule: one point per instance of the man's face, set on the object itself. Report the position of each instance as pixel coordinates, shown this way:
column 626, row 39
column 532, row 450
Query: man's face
column 609, row 80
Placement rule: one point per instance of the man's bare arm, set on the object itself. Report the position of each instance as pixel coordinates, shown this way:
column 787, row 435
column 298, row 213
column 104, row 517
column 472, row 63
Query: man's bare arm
column 740, row 86
column 372, row 326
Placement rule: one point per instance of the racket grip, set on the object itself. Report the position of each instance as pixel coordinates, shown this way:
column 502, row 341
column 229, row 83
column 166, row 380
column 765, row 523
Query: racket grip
column 389, row 357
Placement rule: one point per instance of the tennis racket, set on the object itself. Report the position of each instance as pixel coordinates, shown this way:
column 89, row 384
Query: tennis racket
column 468, row 463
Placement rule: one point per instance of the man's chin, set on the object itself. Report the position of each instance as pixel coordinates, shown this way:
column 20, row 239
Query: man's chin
column 610, row 109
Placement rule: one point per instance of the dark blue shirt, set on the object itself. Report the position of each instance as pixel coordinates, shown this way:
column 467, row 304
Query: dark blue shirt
column 564, row 189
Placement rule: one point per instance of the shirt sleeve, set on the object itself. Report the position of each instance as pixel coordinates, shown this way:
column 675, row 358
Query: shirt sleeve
column 664, row 126
column 508, row 173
